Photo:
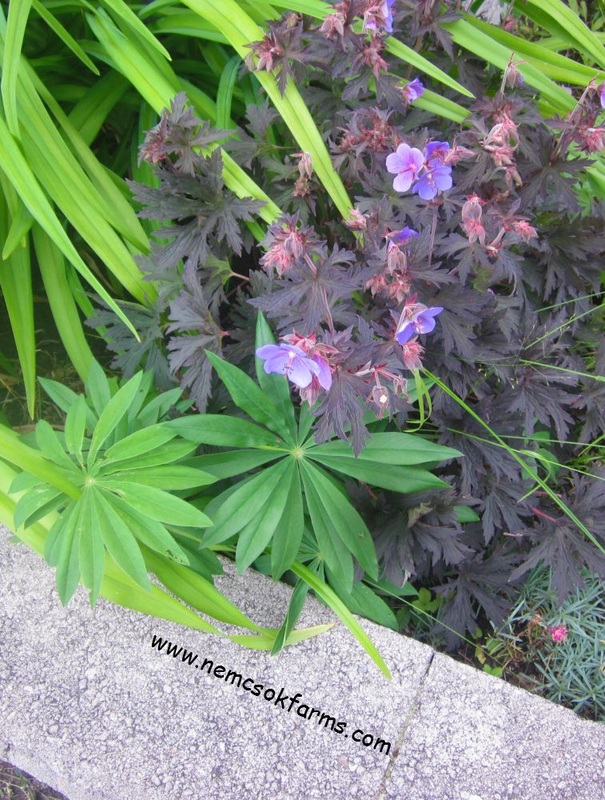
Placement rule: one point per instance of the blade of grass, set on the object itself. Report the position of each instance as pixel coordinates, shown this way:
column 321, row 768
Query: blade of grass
column 18, row 13
column 63, row 306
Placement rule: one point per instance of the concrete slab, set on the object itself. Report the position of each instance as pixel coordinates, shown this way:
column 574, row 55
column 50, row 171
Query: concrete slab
column 90, row 707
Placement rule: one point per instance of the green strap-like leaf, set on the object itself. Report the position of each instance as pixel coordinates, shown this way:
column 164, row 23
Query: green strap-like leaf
column 18, row 12
column 295, row 606
column 68, row 561
column 323, row 591
column 63, row 34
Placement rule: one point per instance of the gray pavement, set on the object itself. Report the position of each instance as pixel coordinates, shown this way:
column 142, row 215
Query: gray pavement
column 88, row 706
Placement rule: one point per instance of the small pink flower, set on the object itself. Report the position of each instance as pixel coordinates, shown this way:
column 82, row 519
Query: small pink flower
column 558, row 633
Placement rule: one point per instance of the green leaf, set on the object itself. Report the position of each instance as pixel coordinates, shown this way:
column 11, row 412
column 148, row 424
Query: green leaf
column 65, row 398
column 197, row 591
column 232, row 510
column 289, row 532
column 346, row 522
column 120, row 542
column 157, row 504
column 169, row 478
column 18, row 12
column 397, row 479
column 92, row 550
column 159, row 406
column 112, row 414
column 295, row 607
column 224, row 92
column 64, row 35
column 323, row 591
column 234, row 462
column 388, row 448
column 53, row 543
column 140, row 442
column 148, row 531
column 166, row 454
column 47, row 441
column 224, row 431
column 364, row 602
column 257, row 533
column 75, row 427
column 97, row 388
column 329, row 544
column 274, row 386
column 68, row 561
column 35, row 500
column 249, row 397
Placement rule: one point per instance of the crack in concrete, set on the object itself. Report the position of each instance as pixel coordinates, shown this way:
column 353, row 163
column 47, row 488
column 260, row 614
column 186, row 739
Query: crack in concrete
column 404, row 729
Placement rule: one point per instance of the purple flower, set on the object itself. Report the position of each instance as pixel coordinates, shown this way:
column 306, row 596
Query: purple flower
column 387, row 5
column 436, row 151
column 601, row 92
column 403, row 236
column 413, row 90
column 416, row 318
column 435, row 179
column 405, row 163
column 289, row 360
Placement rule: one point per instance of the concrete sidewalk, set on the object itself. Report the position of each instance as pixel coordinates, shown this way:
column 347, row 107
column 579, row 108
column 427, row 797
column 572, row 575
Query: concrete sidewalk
column 88, row 706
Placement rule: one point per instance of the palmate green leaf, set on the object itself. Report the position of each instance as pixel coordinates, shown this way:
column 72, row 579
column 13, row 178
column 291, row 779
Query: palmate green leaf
column 155, row 503
column 51, row 264
column 330, row 547
column 295, row 607
column 148, row 531
column 111, row 415
column 159, row 406
column 257, row 533
column 27, row 458
column 52, row 544
column 223, row 431
column 557, row 18
column 234, row 462
column 274, row 386
column 116, row 585
column 347, row 523
column 289, row 531
column 233, row 509
column 118, row 538
column 65, row 398
column 92, row 549
column 323, row 591
column 250, row 398
column 18, row 12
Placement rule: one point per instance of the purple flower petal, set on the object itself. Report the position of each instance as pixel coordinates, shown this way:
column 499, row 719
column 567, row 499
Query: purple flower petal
column 325, row 375
column 301, row 371
column 405, row 333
